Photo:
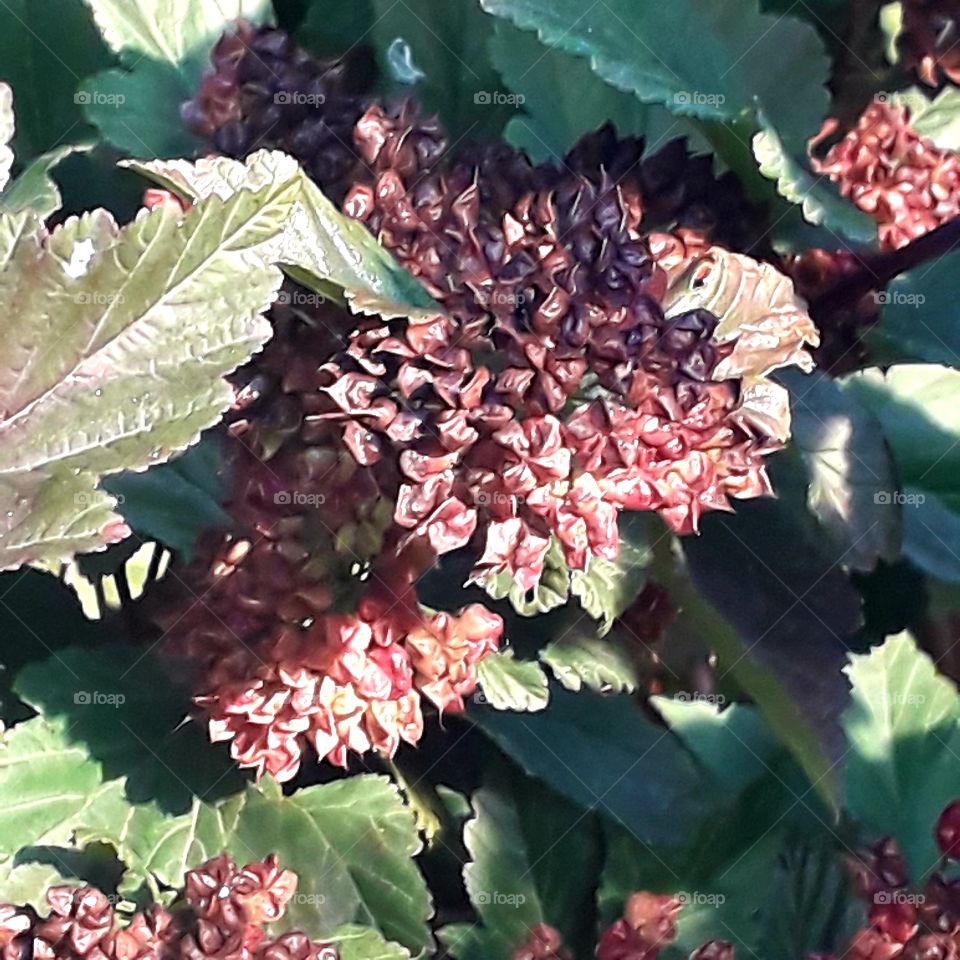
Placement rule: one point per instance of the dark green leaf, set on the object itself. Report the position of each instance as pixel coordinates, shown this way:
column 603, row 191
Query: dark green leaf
column 851, row 472
column 744, row 60
column 602, row 754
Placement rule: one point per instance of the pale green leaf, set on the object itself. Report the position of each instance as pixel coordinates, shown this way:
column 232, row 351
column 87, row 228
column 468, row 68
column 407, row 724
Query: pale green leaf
column 320, row 242
column 819, row 199
column 511, row 684
column 580, row 659
column 354, row 942
column 903, row 728
column 116, row 342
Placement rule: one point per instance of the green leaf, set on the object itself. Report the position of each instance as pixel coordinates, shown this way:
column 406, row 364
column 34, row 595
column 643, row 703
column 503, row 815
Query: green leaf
column 174, row 501
column 352, row 845
column 918, row 319
column 116, row 342
column 903, row 729
column 819, row 199
column 163, row 47
column 563, row 100
column 448, row 43
column 850, row 469
column 734, row 743
column 607, row 587
column 917, row 407
column 354, row 942
column 498, row 877
column 784, row 616
column 510, row 684
column 937, row 119
column 34, row 189
column 626, row 768
column 46, row 50
column 745, row 61
column 328, row 29
column 581, row 658
column 167, row 799
column 320, row 242
column 534, row 858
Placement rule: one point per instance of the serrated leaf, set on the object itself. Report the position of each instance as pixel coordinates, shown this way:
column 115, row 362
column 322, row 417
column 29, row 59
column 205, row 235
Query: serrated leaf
column 582, row 658
column 850, row 469
column 744, row 60
column 937, row 119
column 168, row 799
column 320, row 241
column 903, row 729
column 163, row 46
column 607, row 587
column 34, row 189
column 563, row 99
column 534, row 858
column 917, row 320
column 498, row 878
column 819, row 199
column 352, row 844
column 174, row 501
column 354, row 942
column 626, row 768
column 130, row 330
column 510, row 684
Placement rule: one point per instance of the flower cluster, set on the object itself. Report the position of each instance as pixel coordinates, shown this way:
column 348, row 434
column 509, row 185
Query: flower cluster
column 647, row 926
column 222, row 917
column 903, row 181
column 924, row 926
column 555, row 390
